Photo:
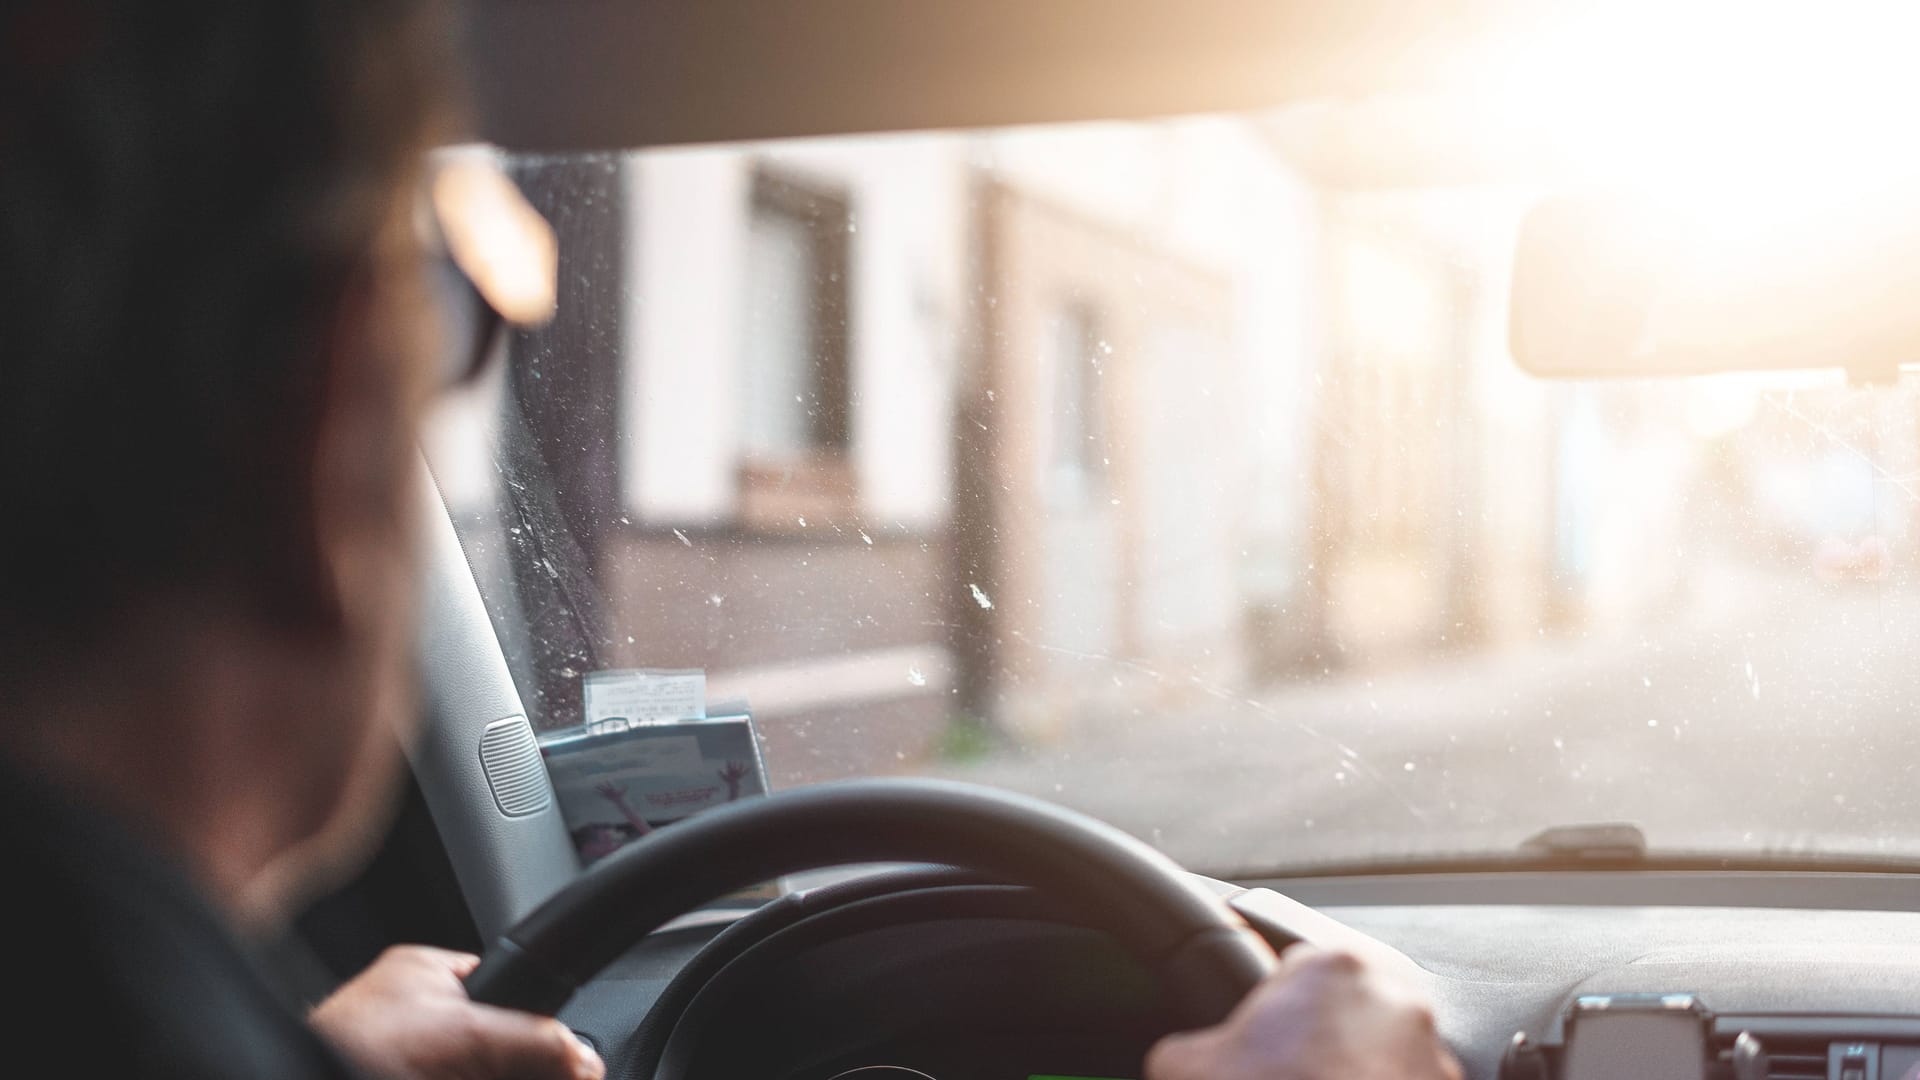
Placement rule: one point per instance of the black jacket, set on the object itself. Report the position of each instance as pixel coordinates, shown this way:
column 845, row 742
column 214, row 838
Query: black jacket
column 119, row 967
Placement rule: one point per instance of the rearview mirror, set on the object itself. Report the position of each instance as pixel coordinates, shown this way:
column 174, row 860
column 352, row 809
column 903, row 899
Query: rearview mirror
column 1607, row 287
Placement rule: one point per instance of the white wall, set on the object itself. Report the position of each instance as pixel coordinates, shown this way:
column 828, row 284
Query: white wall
column 680, row 414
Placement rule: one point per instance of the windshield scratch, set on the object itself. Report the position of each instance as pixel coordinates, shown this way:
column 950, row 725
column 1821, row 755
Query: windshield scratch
column 1899, row 483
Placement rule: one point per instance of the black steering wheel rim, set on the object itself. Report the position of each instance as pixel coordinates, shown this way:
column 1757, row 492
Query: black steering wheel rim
column 1205, row 952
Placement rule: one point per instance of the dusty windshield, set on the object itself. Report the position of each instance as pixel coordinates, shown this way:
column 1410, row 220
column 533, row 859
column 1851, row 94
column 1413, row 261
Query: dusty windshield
column 1155, row 469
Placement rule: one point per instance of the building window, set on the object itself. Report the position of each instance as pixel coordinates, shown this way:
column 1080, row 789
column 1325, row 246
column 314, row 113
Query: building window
column 794, row 389
column 1076, row 449
column 794, row 372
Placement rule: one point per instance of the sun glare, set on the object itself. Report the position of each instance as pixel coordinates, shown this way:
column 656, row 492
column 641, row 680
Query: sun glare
column 1744, row 112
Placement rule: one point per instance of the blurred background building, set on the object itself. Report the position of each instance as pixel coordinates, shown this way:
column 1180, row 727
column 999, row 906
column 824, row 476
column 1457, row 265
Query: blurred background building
column 915, row 440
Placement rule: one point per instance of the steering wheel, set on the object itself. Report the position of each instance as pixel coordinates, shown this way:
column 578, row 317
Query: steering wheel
column 1205, row 954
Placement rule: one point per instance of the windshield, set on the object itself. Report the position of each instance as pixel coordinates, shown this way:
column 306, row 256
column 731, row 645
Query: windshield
column 1158, row 470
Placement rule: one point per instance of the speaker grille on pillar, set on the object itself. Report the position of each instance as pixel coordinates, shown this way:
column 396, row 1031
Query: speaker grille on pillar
column 514, row 768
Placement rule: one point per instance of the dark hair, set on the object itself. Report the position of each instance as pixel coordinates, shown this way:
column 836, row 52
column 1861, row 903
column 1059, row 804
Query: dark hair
column 185, row 189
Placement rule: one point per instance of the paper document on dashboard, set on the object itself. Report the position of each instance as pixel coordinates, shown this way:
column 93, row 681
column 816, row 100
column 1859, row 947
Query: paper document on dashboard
column 625, row 697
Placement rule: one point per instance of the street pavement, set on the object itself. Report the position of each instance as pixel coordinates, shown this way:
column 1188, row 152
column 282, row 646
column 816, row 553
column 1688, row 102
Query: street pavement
column 1786, row 722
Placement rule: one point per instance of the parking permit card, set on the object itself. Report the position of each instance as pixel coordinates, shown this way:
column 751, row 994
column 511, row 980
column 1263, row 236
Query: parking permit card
column 625, row 697
column 615, row 787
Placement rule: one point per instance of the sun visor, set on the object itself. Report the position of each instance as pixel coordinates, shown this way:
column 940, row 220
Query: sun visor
column 615, row 74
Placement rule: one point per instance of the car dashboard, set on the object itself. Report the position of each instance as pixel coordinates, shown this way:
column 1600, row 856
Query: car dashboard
column 956, row 979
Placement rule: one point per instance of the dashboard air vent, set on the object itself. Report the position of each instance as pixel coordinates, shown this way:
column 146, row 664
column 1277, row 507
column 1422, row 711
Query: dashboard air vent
column 1788, row 1057
column 1792, row 1066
